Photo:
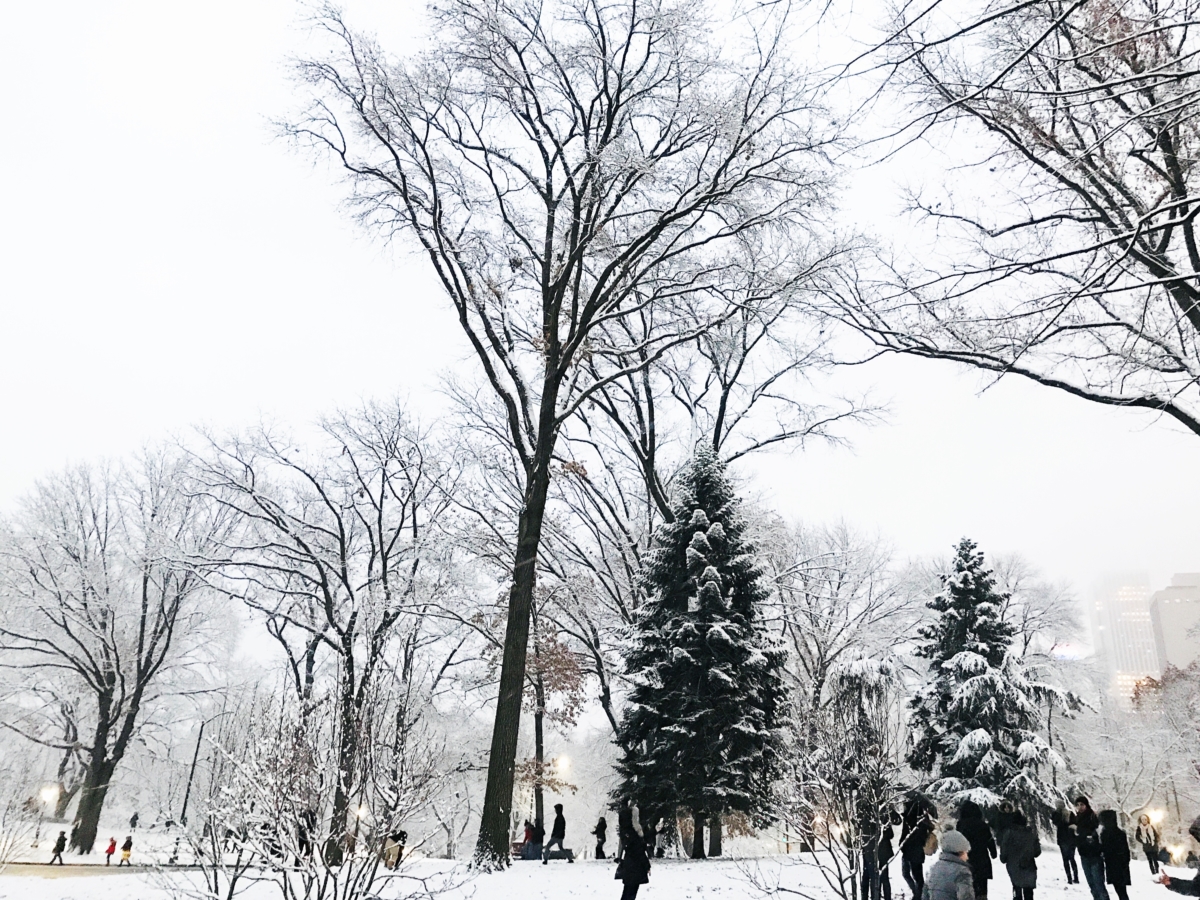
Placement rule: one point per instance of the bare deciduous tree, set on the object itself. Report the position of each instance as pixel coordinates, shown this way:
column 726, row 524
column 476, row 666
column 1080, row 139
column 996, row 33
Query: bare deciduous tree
column 101, row 587
column 565, row 168
column 336, row 550
column 1079, row 272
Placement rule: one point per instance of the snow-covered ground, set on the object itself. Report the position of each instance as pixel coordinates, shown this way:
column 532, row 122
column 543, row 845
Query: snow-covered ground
column 585, row 880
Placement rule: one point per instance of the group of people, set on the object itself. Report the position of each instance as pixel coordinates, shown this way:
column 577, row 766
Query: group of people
column 635, row 845
column 965, row 865
column 60, row 846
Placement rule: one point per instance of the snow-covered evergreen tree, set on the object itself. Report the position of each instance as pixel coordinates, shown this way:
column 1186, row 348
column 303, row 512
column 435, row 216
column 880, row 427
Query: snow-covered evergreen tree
column 703, row 727
column 975, row 722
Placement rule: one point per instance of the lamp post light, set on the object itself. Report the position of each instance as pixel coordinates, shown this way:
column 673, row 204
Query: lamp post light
column 49, row 795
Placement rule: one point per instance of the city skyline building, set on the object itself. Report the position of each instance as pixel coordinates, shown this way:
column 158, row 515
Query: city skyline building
column 1123, row 633
column 1175, row 618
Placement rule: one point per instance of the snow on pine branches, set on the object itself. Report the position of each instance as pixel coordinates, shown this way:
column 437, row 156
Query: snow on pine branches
column 975, row 721
column 702, row 731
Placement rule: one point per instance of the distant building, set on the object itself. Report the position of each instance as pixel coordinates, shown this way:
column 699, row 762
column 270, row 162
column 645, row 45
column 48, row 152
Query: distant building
column 1175, row 615
column 1124, row 634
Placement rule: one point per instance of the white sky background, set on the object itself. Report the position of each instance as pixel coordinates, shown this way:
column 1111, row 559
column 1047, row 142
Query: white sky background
column 165, row 261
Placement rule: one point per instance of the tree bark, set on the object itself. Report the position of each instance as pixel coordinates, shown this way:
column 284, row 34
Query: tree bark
column 539, row 750
column 492, row 850
column 698, row 820
column 91, row 802
column 714, row 836
column 339, row 826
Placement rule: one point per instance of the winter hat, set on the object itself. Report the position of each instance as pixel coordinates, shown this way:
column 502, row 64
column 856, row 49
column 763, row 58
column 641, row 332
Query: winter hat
column 954, row 842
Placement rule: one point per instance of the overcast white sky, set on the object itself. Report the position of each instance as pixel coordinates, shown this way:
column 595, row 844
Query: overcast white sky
column 166, row 262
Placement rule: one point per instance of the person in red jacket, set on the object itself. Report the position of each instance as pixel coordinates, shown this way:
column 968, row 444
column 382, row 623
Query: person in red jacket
column 108, row 854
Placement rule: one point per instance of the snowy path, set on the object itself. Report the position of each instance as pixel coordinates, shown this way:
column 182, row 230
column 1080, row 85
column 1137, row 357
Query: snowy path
column 585, row 880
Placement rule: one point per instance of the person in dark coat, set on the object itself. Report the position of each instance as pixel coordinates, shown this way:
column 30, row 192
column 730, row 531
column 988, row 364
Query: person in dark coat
column 885, row 854
column 1147, row 835
column 1115, row 848
column 601, row 833
column 60, row 844
column 1087, row 839
column 634, row 869
column 918, row 827
column 1004, row 820
column 126, row 851
column 869, row 882
column 1019, row 850
column 1187, row 887
column 983, row 845
column 558, row 832
column 1065, row 838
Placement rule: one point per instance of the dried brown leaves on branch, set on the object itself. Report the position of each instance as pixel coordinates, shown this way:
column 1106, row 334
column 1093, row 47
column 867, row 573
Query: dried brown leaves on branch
column 593, row 184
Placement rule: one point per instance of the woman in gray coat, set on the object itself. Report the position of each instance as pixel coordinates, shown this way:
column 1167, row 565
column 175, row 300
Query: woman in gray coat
column 1019, row 850
column 951, row 877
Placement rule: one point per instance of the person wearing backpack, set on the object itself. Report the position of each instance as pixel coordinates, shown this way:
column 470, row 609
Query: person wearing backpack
column 1087, row 839
column 1019, row 850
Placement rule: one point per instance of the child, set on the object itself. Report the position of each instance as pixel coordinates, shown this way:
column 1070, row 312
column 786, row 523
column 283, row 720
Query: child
column 951, row 877
column 112, row 848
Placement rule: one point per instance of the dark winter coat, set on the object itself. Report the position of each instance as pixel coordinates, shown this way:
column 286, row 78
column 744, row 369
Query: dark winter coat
column 1019, row 850
column 635, row 864
column 1115, row 848
column 886, row 850
column 912, row 847
column 1147, row 836
column 128, row 845
column 1184, row 886
column 1063, row 835
column 1087, row 837
column 559, row 831
column 950, row 878
column 983, row 845
column 61, row 844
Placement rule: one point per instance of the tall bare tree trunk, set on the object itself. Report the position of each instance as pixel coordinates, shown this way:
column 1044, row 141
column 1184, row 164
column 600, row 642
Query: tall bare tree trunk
column 714, row 836
column 698, row 820
column 539, row 750
column 492, row 850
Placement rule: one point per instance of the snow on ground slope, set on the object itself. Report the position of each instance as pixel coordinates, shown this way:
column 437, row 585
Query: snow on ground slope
column 585, row 880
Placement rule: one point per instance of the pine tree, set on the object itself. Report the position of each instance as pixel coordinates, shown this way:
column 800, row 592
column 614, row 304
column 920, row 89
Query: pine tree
column 975, row 721
column 703, row 727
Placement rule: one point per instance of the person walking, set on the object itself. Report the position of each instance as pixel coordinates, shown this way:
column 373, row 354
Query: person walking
column 60, row 844
column 1087, row 839
column 983, row 845
column 601, row 833
column 887, row 851
column 126, row 852
column 870, row 886
column 1147, row 835
column 1019, row 850
column 558, row 833
column 1065, row 838
column 951, row 877
column 108, row 853
column 634, row 868
column 1115, row 848
column 913, row 850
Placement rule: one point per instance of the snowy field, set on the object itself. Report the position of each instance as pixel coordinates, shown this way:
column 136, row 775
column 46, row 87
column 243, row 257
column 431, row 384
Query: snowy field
column 585, row 880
